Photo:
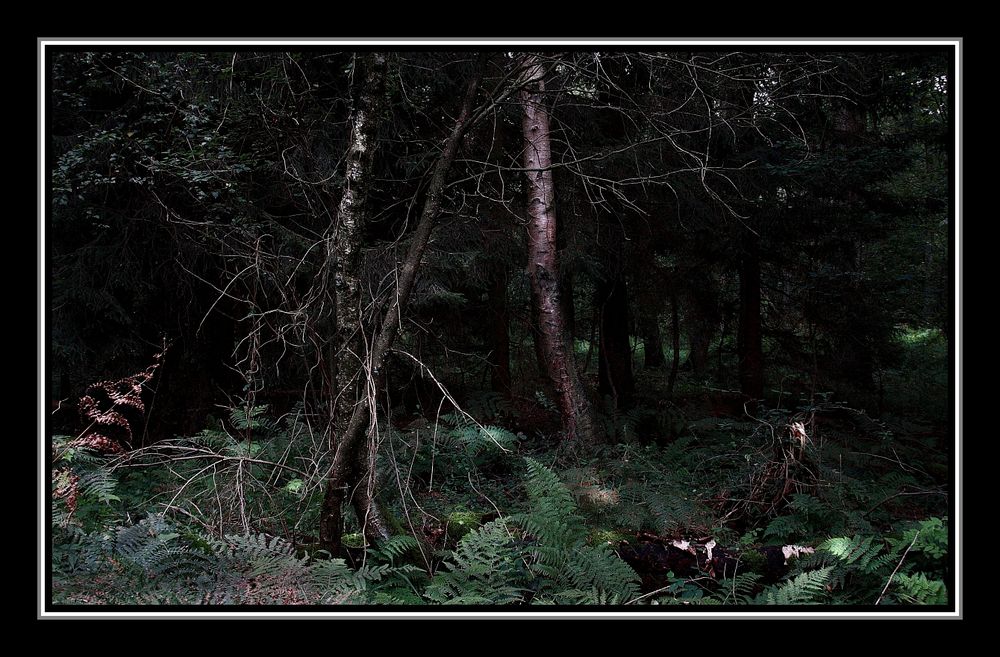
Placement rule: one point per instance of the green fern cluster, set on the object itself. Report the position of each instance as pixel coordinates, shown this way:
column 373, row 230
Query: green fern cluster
column 540, row 556
column 806, row 588
column 908, row 568
column 486, row 568
column 157, row 562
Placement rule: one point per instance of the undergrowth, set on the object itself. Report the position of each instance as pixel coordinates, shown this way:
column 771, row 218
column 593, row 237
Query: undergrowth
column 486, row 516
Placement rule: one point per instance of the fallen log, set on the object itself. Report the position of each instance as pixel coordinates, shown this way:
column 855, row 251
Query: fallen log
column 659, row 560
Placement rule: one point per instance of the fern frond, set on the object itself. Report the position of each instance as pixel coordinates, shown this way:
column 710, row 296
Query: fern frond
column 806, row 588
column 99, row 485
column 252, row 418
column 738, row 589
column 597, row 568
column 861, row 551
column 394, row 547
column 553, row 518
column 486, row 568
column 919, row 590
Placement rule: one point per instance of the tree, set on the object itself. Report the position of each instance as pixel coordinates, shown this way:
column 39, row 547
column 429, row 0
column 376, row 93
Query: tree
column 344, row 251
column 317, row 231
column 543, row 262
column 348, row 449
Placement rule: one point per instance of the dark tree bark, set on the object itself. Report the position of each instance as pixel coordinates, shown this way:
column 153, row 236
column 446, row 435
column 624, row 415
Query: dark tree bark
column 721, row 375
column 500, row 380
column 699, row 343
column 701, row 315
column 342, row 476
column 614, row 355
column 857, row 354
column 537, row 341
column 675, row 330
column 344, row 244
column 647, row 291
column 543, row 262
column 749, row 339
column 652, row 340
column 566, row 296
column 614, row 372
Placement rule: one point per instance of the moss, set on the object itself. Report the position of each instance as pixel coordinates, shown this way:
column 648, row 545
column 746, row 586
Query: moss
column 461, row 523
column 355, row 540
column 753, row 561
column 609, row 536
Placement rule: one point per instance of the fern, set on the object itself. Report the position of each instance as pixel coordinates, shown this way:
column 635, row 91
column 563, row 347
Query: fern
column 393, row 548
column 862, row 552
column 153, row 562
column 571, row 570
column 932, row 539
column 493, row 565
column 250, row 418
column 863, row 564
column 553, row 519
column 598, row 570
column 919, row 590
column 486, row 568
column 806, row 588
column 490, row 406
column 738, row 589
column 98, row 485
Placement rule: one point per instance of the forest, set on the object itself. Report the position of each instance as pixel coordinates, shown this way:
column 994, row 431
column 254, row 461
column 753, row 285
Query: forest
column 357, row 328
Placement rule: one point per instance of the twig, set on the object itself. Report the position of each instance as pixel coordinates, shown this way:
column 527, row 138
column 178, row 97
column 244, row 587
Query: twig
column 901, row 559
column 646, row 595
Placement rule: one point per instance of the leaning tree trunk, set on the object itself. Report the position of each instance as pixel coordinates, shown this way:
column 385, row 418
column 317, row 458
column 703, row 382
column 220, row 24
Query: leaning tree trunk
column 344, row 246
column 543, row 262
column 348, row 451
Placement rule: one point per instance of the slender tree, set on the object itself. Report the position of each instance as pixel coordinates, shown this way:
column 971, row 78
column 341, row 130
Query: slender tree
column 344, row 249
column 348, row 452
column 543, row 262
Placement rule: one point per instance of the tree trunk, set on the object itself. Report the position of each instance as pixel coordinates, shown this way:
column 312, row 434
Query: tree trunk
column 857, row 354
column 344, row 245
column 348, row 449
column 344, row 251
column 749, row 339
column 721, row 376
column 702, row 319
column 566, row 296
column 614, row 372
column 652, row 340
column 675, row 327
column 930, row 296
column 543, row 262
column 499, row 334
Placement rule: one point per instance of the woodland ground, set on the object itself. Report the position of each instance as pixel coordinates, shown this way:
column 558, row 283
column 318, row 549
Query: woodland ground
column 688, row 502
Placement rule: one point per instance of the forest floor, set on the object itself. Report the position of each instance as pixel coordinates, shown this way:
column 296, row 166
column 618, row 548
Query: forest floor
column 689, row 501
